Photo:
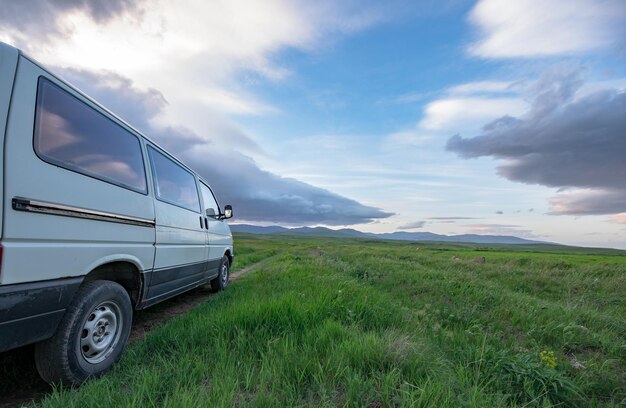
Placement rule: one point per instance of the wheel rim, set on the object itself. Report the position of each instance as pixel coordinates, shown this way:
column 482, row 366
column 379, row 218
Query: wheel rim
column 101, row 332
column 224, row 275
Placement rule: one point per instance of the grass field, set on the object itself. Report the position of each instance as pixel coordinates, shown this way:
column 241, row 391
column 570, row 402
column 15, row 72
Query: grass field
column 333, row 322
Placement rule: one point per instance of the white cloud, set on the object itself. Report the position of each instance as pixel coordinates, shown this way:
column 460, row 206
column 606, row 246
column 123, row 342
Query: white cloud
column 191, row 54
column 619, row 218
column 456, row 112
column 461, row 107
column 480, row 87
column 223, row 100
column 539, row 28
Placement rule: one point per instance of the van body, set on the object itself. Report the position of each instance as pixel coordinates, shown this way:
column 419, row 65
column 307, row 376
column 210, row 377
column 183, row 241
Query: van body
column 91, row 208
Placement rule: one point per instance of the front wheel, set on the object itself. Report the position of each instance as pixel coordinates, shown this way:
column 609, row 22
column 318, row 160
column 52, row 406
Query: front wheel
column 221, row 280
column 90, row 337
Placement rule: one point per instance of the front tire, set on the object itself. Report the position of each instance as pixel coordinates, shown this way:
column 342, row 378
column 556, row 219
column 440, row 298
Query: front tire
column 91, row 336
column 220, row 282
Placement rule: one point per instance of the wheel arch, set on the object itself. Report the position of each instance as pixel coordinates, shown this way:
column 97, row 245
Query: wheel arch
column 123, row 272
column 228, row 254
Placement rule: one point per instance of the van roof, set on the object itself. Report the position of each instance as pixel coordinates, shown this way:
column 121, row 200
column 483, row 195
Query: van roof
column 4, row 46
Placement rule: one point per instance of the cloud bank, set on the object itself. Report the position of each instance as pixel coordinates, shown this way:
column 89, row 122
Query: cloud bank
column 135, row 56
column 568, row 139
column 256, row 195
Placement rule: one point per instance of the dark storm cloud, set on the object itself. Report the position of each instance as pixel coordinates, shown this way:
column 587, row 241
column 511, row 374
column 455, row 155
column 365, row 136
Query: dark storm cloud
column 412, row 225
column 255, row 194
column 564, row 141
column 589, row 202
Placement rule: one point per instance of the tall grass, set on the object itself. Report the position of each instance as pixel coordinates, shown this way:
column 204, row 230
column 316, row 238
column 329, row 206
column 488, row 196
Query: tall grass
column 344, row 323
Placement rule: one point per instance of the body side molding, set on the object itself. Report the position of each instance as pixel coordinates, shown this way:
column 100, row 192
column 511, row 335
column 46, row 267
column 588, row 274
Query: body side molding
column 26, row 204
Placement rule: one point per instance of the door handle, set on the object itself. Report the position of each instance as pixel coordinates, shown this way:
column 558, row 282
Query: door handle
column 201, row 225
column 206, row 222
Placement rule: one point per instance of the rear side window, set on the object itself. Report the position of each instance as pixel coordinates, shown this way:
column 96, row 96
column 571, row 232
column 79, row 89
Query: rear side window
column 173, row 184
column 208, row 199
column 71, row 134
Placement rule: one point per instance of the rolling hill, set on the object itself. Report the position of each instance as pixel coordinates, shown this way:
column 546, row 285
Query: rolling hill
column 398, row 235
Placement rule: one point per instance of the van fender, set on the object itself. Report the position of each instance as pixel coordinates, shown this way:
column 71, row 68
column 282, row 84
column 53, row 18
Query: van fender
column 137, row 290
column 116, row 258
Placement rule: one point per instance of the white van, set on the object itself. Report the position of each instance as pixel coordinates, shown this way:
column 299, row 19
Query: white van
column 96, row 220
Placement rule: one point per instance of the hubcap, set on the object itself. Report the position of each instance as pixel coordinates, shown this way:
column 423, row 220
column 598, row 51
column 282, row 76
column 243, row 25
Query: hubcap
column 224, row 275
column 101, row 332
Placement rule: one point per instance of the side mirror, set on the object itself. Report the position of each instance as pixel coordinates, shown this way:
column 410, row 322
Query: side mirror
column 228, row 211
column 210, row 212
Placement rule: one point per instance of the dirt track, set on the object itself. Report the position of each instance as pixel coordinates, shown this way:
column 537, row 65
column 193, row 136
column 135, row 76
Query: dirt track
column 24, row 385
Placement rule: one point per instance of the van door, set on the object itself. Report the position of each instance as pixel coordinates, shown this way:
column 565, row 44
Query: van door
column 181, row 239
column 219, row 234
column 75, row 187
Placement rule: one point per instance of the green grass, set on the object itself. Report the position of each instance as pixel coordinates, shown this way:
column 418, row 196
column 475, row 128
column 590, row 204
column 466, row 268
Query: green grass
column 334, row 322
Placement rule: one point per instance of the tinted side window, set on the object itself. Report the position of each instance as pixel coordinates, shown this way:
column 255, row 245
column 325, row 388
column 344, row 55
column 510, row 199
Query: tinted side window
column 208, row 199
column 173, row 183
column 71, row 134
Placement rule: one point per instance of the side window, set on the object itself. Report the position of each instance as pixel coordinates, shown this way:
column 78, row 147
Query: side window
column 208, row 199
column 173, row 184
column 71, row 134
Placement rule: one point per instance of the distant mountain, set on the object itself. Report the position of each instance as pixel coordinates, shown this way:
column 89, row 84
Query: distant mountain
column 255, row 229
column 399, row 235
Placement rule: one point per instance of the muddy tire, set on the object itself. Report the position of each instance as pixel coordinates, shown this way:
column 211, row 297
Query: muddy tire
column 91, row 336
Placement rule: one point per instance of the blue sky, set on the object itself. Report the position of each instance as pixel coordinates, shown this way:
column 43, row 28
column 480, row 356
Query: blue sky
column 377, row 117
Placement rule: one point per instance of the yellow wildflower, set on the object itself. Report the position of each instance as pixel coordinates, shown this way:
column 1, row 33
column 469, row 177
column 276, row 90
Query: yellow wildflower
column 548, row 358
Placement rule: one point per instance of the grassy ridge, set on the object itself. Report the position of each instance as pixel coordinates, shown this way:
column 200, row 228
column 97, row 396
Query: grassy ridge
column 344, row 323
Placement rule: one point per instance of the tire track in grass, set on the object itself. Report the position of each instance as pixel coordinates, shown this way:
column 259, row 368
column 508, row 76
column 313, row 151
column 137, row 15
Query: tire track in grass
column 149, row 319
column 236, row 275
column 34, row 389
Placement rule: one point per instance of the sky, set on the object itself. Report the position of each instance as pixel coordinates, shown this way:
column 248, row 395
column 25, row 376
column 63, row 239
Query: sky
column 448, row 116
